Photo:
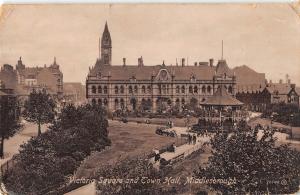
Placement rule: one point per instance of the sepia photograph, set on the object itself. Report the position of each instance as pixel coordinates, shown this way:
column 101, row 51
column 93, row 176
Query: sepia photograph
column 150, row 99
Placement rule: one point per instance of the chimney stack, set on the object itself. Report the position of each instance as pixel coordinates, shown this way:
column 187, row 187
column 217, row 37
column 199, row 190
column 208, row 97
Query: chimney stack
column 211, row 62
column 124, row 61
column 293, row 86
column 140, row 61
column 182, row 62
column 195, row 63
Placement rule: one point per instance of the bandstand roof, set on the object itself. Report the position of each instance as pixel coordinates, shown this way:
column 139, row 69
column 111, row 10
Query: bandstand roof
column 2, row 93
column 222, row 98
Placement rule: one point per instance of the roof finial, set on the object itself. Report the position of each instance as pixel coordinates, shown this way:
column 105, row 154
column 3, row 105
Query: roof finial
column 54, row 60
column 20, row 58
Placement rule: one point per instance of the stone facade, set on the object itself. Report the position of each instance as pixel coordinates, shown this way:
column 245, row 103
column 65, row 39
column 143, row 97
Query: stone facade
column 152, row 87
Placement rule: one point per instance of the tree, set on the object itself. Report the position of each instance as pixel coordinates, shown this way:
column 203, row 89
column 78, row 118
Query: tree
column 254, row 165
column 44, row 161
column 9, row 119
column 39, row 108
column 132, row 174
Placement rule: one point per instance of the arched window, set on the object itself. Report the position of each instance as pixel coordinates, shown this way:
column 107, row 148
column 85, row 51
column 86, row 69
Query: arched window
column 116, row 89
column 190, row 89
column 182, row 101
column 177, row 101
column 164, row 89
column 99, row 89
column 135, row 89
column 177, row 89
column 182, row 89
column 105, row 102
column 209, row 89
column 100, row 102
column 122, row 103
column 130, row 89
column 230, row 90
column 195, row 89
column 105, row 89
column 122, row 89
column 116, row 104
column 149, row 89
column 143, row 89
column 203, row 90
column 94, row 89
column 93, row 101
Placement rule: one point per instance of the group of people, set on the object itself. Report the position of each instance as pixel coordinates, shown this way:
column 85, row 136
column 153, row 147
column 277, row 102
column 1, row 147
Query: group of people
column 192, row 139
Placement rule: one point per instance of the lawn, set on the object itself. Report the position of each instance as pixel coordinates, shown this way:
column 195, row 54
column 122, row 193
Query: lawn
column 128, row 139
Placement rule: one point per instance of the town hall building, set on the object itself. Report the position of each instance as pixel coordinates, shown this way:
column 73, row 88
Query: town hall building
column 131, row 87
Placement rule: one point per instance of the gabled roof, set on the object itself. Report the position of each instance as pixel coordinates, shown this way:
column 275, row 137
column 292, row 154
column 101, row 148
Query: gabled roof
column 222, row 68
column 222, row 98
column 278, row 88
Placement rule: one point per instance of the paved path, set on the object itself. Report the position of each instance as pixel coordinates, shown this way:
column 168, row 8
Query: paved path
column 12, row 145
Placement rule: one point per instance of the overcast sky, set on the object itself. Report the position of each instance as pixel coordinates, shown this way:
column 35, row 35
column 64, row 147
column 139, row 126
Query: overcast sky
column 265, row 37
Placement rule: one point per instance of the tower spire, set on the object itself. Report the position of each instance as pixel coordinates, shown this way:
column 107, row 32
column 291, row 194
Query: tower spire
column 106, row 46
column 222, row 51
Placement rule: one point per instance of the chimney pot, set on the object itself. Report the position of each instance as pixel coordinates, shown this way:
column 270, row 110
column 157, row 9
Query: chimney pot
column 124, row 61
column 211, row 62
column 183, row 62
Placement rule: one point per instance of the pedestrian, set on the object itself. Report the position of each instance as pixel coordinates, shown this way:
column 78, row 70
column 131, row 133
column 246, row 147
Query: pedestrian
column 194, row 139
column 189, row 138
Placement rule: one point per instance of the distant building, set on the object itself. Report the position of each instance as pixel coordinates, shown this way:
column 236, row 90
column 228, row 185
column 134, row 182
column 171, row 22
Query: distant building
column 74, row 92
column 260, row 98
column 24, row 79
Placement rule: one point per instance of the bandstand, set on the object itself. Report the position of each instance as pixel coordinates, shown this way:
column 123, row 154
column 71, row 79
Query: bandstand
column 221, row 109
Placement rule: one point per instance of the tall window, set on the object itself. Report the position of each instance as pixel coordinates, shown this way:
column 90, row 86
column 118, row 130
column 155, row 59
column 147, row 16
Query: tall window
column 116, row 89
column 135, row 89
column 195, row 89
column 143, row 89
column 177, row 89
column 99, row 89
column 182, row 89
column 203, row 90
column 105, row 89
column 149, row 89
column 94, row 89
column 130, row 89
column 122, row 89
column 209, row 89
column 105, row 102
column 230, row 89
column 190, row 89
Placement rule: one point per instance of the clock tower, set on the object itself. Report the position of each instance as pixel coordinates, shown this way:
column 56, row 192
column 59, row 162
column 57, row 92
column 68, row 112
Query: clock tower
column 106, row 47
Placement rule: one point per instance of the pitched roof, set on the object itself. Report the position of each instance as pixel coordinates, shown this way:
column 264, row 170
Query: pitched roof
column 118, row 72
column 297, row 89
column 279, row 88
column 2, row 93
column 222, row 98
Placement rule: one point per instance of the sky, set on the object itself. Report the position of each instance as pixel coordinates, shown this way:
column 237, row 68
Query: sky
column 265, row 37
